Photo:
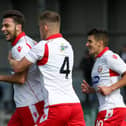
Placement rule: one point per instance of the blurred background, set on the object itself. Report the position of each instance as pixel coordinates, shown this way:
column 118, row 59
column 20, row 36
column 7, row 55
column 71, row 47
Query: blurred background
column 77, row 18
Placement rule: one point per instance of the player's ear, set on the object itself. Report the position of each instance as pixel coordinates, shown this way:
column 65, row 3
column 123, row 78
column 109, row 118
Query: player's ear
column 46, row 27
column 101, row 42
column 18, row 27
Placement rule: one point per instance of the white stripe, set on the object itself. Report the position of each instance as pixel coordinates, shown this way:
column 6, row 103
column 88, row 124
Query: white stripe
column 34, row 112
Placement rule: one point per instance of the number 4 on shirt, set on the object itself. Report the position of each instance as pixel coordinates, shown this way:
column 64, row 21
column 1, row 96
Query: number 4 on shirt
column 65, row 67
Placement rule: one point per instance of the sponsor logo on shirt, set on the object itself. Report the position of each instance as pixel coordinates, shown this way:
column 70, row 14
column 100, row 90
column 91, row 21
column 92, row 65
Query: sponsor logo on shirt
column 95, row 79
column 100, row 69
column 63, row 47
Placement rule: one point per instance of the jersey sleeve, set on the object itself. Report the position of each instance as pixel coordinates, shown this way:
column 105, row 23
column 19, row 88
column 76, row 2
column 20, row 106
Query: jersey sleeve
column 115, row 63
column 20, row 50
column 36, row 53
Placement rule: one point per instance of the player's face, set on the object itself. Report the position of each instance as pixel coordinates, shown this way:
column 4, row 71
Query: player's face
column 93, row 46
column 9, row 29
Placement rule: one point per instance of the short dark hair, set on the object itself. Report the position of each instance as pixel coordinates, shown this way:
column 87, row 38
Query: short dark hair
column 17, row 16
column 50, row 16
column 100, row 34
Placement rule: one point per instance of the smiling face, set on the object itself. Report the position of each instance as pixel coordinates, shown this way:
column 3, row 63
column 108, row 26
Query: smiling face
column 94, row 46
column 9, row 29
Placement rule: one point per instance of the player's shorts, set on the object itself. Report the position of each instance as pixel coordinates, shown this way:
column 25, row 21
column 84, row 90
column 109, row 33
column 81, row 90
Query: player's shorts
column 112, row 117
column 27, row 116
column 62, row 115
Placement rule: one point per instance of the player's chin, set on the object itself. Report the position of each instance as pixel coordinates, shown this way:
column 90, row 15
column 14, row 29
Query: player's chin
column 8, row 39
column 91, row 53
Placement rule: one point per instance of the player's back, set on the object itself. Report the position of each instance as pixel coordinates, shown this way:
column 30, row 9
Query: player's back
column 57, row 72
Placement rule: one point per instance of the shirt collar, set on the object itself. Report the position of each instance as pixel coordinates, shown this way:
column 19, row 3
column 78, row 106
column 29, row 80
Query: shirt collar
column 102, row 52
column 17, row 38
column 54, row 36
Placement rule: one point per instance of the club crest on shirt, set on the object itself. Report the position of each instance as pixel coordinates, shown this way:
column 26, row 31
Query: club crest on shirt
column 19, row 48
column 63, row 47
column 100, row 69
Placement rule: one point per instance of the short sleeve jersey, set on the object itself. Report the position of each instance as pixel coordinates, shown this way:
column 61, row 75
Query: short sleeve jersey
column 31, row 91
column 106, row 71
column 55, row 61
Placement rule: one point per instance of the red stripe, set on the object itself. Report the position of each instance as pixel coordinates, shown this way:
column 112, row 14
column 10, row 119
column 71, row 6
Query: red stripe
column 17, row 38
column 45, row 57
column 28, row 45
column 113, row 73
column 101, row 53
column 54, row 36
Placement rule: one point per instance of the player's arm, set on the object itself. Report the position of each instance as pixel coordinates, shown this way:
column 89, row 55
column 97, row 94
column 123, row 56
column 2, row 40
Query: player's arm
column 16, row 78
column 120, row 83
column 35, row 54
column 19, row 66
column 116, row 64
column 108, row 90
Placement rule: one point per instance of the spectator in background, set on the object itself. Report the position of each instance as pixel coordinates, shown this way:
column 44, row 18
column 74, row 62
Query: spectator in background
column 108, row 76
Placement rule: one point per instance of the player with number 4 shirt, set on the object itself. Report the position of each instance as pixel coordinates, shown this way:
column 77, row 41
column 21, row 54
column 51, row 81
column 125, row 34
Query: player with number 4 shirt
column 54, row 56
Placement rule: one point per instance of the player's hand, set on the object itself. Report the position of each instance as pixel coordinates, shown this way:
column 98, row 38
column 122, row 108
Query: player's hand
column 9, row 55
column 85, row 87
column 104, row 90
column 12, row 61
